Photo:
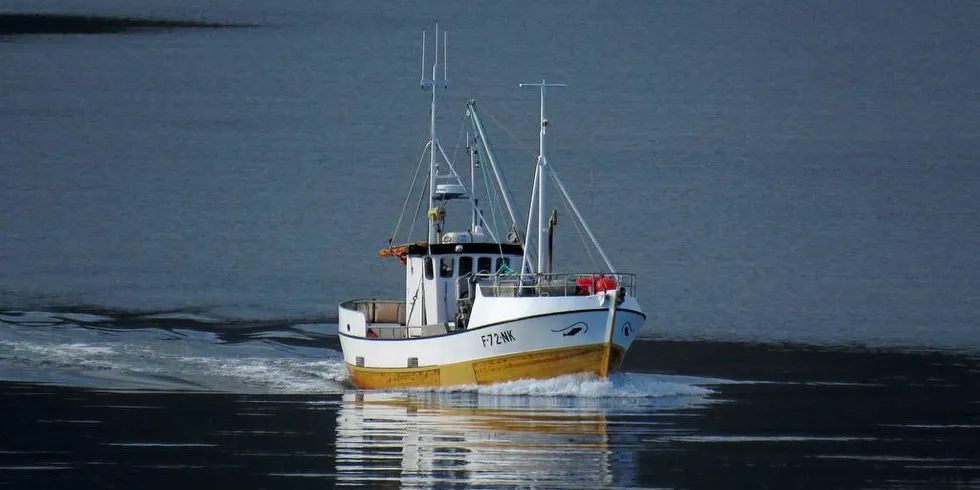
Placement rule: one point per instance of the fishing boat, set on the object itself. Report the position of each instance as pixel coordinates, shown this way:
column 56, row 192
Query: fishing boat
column 481, row 303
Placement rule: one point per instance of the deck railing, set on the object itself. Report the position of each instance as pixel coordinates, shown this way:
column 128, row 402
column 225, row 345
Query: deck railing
column 377, row 310
column 563, row 284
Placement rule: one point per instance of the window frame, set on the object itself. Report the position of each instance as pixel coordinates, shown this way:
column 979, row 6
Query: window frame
column 479, row 265
column 444, row 271
column 469, row 267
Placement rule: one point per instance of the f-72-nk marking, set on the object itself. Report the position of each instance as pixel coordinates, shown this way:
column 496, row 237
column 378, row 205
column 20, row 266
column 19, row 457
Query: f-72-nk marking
column 492, row 339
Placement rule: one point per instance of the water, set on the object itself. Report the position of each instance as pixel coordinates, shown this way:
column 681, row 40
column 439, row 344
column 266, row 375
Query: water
column 99, row 400
column 794, row 185
column 770, row 172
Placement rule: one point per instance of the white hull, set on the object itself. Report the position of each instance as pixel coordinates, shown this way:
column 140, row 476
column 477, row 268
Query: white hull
column 516, row 332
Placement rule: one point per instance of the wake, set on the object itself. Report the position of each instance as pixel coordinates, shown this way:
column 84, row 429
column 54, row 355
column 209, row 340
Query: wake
column 187, row 354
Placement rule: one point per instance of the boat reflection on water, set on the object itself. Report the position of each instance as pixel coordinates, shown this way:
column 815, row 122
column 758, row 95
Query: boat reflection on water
column 425, row 439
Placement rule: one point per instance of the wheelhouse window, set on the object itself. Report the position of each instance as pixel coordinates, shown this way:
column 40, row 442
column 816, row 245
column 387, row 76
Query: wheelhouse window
column 446, row 266
column 428, row 267
column 483, row 265
column 465, row 265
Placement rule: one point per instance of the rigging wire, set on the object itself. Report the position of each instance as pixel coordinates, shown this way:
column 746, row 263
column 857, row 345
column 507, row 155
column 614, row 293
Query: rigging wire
column 491, row 195
column 534, row 156
column 484, row 159
column 408, row 197
column 578, row 227
column 492, row 198
column 491, row 190
column 462, row 130
column 415, row 217
column 507, row 131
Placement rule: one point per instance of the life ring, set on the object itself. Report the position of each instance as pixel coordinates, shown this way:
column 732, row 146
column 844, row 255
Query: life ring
column 605, row 283
column 596, row 283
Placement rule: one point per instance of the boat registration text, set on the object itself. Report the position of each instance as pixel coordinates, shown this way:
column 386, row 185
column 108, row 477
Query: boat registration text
column 492, row 339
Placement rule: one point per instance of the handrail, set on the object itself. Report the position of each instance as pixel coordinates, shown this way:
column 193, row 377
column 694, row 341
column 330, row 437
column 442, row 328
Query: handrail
column 556, row 284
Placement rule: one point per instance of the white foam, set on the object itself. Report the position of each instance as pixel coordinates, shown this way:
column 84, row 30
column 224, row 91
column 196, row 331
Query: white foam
column 60, row 355
column 619, row 385
column 165, row 365
column 281, row 375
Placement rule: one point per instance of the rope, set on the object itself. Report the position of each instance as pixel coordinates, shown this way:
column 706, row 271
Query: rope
column 415, row 298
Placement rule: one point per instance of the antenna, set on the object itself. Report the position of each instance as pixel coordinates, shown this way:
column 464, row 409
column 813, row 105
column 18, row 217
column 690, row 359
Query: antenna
column 433, row 81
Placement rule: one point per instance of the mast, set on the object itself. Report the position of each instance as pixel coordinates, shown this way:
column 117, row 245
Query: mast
column 474, row 218
column 432, row 83
column 542, row 171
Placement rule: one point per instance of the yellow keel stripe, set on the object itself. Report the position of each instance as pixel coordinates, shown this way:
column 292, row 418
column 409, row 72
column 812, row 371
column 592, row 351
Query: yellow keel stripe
column 540, row 364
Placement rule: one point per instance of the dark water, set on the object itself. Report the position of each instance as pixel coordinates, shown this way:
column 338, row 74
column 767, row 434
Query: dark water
column 181, row 208
column 229, row 405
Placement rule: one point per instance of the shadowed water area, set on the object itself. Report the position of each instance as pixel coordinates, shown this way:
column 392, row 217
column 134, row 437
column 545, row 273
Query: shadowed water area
column 27, row 23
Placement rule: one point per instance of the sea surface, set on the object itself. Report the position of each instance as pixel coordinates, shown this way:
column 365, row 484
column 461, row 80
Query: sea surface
column 187, row 190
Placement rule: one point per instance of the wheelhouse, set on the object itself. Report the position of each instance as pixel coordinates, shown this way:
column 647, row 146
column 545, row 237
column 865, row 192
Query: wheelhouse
column 439, row 279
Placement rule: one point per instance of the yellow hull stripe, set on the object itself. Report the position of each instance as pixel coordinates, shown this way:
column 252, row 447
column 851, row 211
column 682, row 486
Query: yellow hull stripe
column 539, row 364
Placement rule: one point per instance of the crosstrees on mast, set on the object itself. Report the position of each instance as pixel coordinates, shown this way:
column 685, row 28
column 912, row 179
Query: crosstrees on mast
column 541, row 172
